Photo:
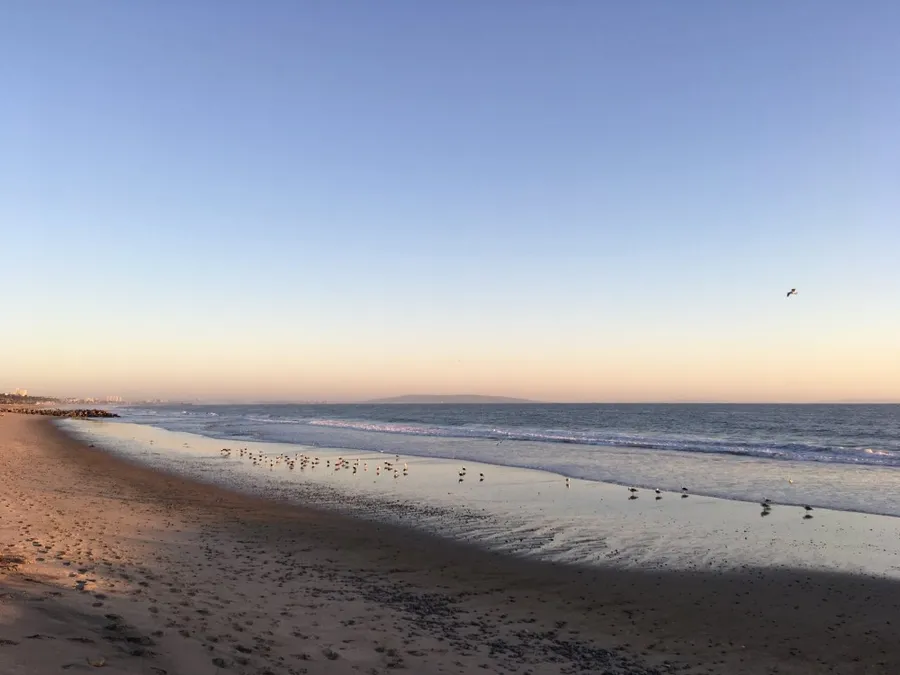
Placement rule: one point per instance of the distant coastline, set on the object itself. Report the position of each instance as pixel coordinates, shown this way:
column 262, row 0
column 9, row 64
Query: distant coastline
column 456, row 398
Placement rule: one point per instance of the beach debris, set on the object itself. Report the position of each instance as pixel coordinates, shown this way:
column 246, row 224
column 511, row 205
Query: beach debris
column 97, row 663
column 791, row 292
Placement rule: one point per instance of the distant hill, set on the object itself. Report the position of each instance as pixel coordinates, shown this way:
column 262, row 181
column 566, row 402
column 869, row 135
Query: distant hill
column 457, row 398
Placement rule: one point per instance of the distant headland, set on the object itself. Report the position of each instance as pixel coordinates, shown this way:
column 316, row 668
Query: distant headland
column 456, row 398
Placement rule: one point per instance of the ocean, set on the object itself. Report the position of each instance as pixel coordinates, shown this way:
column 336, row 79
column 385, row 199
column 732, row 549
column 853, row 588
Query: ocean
column 550, row 480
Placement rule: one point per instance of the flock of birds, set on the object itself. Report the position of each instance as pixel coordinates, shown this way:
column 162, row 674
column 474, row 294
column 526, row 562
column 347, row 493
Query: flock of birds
column 767, row 509
column 259, row 458
column 657, row 492
column 766, row 503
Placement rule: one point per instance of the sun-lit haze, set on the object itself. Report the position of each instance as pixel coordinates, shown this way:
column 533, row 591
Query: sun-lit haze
column 344, row 200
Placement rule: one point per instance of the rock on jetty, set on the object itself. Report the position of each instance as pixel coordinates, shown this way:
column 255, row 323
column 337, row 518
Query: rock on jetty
column 56, row 412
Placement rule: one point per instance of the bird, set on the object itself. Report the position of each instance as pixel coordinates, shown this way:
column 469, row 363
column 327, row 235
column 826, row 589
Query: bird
column 631, row 489
column 807, row 507
column 658, row 491
column 791, row 292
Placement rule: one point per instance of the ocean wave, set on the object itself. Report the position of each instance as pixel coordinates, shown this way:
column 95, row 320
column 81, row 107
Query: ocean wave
column 880, row 453
column 763, row 449
column 858, row 445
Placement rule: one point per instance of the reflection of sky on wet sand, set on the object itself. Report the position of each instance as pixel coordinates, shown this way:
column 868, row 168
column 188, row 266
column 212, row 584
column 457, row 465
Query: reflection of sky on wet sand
column 531, row 512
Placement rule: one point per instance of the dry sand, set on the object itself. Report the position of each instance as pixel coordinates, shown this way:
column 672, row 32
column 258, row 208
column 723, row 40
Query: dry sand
column 112, row 567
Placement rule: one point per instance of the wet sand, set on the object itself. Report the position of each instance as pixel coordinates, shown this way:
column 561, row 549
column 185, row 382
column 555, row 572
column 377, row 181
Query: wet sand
column 111, row 566
column 523, row 512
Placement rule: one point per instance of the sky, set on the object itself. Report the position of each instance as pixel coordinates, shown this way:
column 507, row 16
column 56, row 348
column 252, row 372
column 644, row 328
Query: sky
column 579, row 201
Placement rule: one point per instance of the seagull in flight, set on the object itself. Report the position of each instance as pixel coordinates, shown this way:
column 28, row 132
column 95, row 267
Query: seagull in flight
column 791, row 292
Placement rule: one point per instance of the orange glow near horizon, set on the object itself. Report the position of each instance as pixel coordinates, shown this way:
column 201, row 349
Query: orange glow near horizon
column 619, row 370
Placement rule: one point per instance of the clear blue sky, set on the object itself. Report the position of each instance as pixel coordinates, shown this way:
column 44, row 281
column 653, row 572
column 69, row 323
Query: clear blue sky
column 291, row 199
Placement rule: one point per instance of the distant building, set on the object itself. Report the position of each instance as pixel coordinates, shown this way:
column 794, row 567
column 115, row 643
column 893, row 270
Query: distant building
column 21, row 392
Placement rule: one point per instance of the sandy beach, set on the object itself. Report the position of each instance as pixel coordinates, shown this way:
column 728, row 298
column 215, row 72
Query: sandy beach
column 111, row 566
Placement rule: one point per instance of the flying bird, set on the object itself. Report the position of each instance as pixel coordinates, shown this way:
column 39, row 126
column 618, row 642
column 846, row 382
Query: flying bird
column 791, row 292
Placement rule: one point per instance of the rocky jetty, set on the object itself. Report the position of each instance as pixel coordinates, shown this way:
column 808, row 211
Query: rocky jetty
column 81, row 413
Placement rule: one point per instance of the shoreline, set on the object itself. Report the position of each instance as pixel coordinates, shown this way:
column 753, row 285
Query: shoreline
column 495, row 464
column 843, row 486
column 220, row 549
column 527, row 513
